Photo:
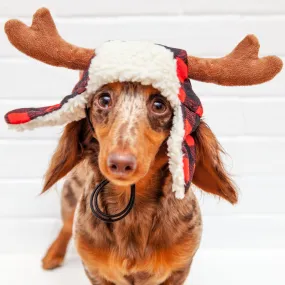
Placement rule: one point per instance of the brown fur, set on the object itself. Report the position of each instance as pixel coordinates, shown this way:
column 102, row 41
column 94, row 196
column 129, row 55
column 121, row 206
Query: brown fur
column 67, row 154
column 210, row 174
column 156, row 242
column 55, row 255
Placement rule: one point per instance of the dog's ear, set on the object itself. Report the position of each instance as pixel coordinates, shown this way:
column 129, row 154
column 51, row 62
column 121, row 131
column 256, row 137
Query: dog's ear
column 210, row 174
column 67, row 155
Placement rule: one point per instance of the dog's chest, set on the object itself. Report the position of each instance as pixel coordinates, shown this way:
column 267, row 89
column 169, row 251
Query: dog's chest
column 141, row 245
column 151, row 242
column 132, row 253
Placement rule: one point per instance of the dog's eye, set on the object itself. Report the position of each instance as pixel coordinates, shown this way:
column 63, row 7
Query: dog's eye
column 158, row 106
column 105, row 101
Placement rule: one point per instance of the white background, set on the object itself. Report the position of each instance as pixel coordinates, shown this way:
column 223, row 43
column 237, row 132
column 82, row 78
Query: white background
column 244, row 244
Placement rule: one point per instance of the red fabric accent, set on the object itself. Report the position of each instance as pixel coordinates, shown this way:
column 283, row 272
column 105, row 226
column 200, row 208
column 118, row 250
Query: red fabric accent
column 18, row 118
column 190, row 141
column 181, row 69
column 187, row 127
column 199, row 111
column 186, row 168
column 51, row 108
column 182, row 95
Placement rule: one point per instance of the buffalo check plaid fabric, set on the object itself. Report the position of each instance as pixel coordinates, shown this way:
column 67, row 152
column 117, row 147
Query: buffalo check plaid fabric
column 192, row 111
column 25, row 115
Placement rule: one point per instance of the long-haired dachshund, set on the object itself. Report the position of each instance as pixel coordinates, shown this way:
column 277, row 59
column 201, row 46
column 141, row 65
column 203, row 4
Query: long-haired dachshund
column 120, row 132
column 156, row 242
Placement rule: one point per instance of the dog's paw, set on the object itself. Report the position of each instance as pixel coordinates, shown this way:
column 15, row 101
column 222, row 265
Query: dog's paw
column 50, row 262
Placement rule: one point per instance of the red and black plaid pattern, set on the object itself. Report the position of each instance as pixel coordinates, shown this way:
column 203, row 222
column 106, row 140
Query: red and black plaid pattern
column 25, row 115
column 192, row 111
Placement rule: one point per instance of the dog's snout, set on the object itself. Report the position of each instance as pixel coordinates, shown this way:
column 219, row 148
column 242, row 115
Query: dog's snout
column 121, row 164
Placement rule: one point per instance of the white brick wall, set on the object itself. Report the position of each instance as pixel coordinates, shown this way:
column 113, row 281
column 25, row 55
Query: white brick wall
column 249, row 121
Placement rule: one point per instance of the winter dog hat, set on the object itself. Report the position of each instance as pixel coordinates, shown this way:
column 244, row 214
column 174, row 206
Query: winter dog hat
column 166, row 69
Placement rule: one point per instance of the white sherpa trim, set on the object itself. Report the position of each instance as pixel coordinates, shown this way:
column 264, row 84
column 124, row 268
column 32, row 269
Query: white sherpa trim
column 71, row 111
column 175, row 153
column 148, row 64
column 143, row 62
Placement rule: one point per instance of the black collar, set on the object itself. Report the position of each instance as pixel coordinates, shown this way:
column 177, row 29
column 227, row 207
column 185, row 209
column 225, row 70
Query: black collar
column 106, row 217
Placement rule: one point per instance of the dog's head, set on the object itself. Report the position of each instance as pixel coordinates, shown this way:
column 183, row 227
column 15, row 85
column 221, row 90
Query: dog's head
column 131, row 121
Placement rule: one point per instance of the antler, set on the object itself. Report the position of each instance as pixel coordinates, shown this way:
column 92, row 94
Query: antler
column 42, row 41
column 241, row 67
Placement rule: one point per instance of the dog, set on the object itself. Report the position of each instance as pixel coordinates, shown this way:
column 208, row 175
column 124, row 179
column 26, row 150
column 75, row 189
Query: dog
column 156, row 242
column 133, row 120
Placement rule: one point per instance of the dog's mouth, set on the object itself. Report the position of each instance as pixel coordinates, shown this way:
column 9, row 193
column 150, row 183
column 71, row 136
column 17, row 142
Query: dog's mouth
column 122, row 180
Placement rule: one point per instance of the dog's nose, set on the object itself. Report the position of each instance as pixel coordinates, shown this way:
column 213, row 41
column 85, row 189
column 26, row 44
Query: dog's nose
column 121, row 164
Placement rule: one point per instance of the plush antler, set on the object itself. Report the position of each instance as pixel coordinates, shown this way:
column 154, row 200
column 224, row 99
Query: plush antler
column 42, row 41
column 241, row 67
